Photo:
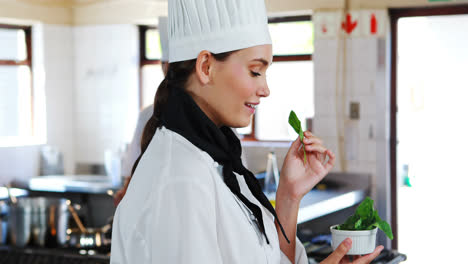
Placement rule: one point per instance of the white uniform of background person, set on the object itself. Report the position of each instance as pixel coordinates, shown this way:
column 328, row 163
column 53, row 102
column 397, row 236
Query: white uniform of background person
column 134, row 148
column 178, row 207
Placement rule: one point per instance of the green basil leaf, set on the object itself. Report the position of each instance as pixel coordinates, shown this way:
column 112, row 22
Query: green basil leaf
column 366, row 218
column 296, row 124
column 350, row 223
column 358, row 224
column 385, row 227
column 366, row 208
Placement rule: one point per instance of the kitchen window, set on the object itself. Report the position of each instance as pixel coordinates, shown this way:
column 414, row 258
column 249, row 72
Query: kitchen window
column 290, row 78
column 151, row 74
column 16, row 93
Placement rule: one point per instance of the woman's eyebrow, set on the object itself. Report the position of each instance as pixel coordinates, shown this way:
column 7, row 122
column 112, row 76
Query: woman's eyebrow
column 263, row 61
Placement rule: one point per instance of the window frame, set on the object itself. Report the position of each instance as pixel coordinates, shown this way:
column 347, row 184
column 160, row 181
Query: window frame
column 143, row 60
column 395, row 15
column 26, row 62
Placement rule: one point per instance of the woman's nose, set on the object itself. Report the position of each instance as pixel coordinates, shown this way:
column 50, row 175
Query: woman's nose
column 263, row 91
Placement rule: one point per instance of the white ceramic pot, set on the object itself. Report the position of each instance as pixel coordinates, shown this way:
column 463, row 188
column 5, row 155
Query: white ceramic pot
column 363, row 240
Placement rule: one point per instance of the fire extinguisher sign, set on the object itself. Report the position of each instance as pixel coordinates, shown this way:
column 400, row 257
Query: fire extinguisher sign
column 374, row 22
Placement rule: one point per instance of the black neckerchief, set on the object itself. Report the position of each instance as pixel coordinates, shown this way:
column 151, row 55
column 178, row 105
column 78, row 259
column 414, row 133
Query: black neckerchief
column 183, row 116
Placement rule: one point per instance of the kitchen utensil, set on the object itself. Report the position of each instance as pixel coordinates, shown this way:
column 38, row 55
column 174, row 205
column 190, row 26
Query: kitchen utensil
column 39, row 220
column 20, row 222
column 90, row 237
column 51, row 161
column 271, row 178
column 363, row 240
column 75, row 217
column 4, row 213
column 58, row 216
column 10, row 196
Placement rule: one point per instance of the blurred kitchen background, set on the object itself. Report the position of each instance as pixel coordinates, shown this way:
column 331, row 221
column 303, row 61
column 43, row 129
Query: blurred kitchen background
column 382, row 82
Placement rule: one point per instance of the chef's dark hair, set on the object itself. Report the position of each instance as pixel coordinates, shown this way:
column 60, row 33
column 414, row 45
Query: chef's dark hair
column 178, row 74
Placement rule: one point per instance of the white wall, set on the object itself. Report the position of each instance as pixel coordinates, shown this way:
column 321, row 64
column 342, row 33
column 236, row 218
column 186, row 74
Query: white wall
column 106, row 89
column 58, row 56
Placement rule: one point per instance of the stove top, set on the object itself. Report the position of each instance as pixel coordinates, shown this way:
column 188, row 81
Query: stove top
column 10, row 255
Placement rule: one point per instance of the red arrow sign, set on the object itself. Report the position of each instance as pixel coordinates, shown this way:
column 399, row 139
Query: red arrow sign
column 348, row 25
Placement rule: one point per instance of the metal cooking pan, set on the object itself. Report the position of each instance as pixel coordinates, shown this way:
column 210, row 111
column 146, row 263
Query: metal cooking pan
column 82, row 237
column 90, row 238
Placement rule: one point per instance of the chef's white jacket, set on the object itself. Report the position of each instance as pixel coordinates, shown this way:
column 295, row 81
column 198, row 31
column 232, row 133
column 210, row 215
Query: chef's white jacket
column 134, row 148
column 178, row 209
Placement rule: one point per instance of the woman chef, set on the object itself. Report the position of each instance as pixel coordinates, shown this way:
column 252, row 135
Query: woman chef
column 134, row 151
column 190, row 199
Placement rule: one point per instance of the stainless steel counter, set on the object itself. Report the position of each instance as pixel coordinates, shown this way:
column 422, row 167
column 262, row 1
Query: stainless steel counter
column 352, row 189
column 13, row 191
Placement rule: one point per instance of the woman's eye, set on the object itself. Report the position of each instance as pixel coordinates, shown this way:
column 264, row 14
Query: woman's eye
column 255, row 74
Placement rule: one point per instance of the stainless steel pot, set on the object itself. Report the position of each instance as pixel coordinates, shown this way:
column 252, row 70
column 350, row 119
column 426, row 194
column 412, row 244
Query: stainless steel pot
column 39, row 220
column 20, row 222
column 4, row 214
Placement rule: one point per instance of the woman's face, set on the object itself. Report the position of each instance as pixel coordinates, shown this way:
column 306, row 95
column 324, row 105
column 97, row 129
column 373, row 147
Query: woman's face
column 236, row 86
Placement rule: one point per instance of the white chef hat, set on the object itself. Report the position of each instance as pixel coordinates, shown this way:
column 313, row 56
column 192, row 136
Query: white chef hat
column 215, row 25
column 163, row 38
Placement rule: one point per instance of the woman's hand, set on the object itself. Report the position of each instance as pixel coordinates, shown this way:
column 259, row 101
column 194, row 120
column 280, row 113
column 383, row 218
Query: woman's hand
column 297, row 178
column 339, row 255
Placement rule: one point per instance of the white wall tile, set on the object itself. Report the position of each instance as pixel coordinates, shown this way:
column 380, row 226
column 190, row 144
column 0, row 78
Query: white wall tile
column 325, row 83
column 368, row 150
column 325, row 106
column 325, row 54
column 325, row 127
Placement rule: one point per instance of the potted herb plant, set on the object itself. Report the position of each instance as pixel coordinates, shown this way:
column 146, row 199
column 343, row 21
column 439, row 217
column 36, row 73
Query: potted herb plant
column 361, row 227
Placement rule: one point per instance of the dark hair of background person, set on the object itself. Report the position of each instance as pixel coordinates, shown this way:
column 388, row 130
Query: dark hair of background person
column 178, row 74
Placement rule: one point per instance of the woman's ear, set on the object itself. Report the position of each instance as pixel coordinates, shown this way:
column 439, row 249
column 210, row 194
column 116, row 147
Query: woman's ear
column 203, row 66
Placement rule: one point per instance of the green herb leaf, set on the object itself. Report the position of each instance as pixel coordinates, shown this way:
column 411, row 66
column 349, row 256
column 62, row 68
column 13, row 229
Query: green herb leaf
column 296, row 125
column 384, row 226
column 366, row 208
column 358, row 224
column 349, row 223
column 366, row 218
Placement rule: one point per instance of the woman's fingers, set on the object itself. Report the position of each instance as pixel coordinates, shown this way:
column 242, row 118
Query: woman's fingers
column 315, row 148
column 331, row 160
column 368, row 258
column 340, row 252
column 310, row 138
column 313, row 143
